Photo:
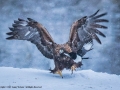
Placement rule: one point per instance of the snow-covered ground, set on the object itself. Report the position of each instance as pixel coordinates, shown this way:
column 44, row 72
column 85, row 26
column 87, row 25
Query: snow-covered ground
column 29, row 79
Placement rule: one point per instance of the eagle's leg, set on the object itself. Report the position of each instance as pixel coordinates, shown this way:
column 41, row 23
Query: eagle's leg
column 58, row 68
column 56, row 71
column 73, row 68
column 75, row 65
column 59, row 72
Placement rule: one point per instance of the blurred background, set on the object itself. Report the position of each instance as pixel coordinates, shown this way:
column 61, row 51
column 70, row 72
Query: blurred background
column 57, row 16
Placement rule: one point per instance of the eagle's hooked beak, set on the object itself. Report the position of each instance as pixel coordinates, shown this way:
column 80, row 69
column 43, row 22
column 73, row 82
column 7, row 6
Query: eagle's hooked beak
column 59, row 72
column 73, row 68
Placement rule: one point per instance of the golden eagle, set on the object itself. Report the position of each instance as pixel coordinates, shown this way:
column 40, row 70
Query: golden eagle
column 83, row 31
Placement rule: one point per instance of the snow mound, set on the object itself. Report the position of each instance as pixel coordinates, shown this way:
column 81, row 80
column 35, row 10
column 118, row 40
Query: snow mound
column 22, row 79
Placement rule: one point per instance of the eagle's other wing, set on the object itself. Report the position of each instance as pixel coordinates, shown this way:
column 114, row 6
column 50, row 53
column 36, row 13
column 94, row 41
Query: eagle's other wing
column 32, row 31
column 84, row 30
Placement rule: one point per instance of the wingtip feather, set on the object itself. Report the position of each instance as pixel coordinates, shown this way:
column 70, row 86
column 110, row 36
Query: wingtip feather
column 10, row 38
column 21, row 19
column 9, row 33
column 94, row 13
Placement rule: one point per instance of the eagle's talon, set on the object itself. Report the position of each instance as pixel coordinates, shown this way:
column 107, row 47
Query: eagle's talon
column 59, row 72
column 73, row 68
column 56, row 72
column 52, row 71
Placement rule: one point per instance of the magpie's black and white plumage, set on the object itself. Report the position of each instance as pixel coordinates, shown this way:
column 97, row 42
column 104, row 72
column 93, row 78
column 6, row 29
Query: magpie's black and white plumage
column 82, row 32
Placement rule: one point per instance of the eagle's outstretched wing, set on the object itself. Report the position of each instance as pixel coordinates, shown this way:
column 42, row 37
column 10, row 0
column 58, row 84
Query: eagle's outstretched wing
column 84, row 30
column 32, row 31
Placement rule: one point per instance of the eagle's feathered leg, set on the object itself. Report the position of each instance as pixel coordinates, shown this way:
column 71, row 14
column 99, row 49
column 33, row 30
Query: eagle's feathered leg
column 73, row 68
column 75, row 65
column 62, row 62
column 54, row 71
column 57, row 69
column 59, row 72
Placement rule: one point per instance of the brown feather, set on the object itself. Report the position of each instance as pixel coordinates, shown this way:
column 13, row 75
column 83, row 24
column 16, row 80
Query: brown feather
column 93, row 30
column 73, row 31
column 101, row 20
column 9, row 33
column 98, row 16
column 30, row 19
column 16, row 25
column 18, row 22
column 12, row 29
column 94, row 14
column 9, row 38
column 46, row 34
column 94, row 36
column 21, row 19
column 98, row 26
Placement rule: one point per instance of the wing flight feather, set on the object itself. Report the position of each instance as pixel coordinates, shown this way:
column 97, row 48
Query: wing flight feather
column 85, row 29
column 34, row 32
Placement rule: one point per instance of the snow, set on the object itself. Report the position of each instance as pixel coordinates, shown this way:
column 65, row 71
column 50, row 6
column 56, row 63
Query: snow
column 36, row 79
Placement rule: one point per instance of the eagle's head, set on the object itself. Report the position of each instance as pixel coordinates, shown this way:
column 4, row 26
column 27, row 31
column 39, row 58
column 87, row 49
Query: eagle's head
column 64, row 48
